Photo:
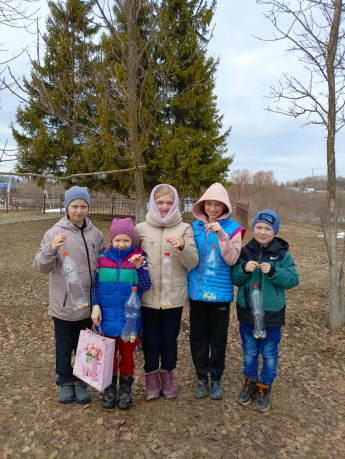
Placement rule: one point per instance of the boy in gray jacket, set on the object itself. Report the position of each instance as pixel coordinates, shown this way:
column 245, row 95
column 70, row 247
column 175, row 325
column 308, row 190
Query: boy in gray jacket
column 76, row 235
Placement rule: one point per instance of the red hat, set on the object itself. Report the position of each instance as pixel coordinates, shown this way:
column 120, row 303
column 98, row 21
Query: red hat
column 122, row 226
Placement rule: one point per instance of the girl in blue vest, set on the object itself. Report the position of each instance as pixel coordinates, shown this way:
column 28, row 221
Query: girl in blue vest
column 210, row 313
column 119, row 269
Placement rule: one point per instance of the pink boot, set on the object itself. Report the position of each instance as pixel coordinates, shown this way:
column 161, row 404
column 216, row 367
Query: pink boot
column 153, row 385
column 169, row 387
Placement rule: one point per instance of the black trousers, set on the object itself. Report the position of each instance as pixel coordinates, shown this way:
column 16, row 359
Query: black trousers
column 161, row 328
column 209, row 323
column 66, row 340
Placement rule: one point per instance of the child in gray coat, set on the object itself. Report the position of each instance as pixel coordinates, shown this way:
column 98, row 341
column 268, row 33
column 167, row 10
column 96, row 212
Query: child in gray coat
column 76, row 235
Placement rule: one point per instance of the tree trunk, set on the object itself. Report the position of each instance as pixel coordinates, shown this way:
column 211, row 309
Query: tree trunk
column 336, row 316
column 140, row 208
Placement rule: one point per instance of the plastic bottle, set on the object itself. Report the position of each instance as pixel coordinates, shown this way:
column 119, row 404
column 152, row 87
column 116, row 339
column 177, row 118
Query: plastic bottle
column 74, row 286
column 258, row 313
column 166, row 280
column 210, row 275
column 132, row 307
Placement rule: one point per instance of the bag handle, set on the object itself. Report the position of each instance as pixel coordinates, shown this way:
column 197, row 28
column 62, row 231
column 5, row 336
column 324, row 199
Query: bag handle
column 93, row 329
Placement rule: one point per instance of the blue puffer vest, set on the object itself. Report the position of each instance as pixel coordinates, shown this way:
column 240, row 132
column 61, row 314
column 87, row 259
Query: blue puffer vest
column 117, row 275
column 197, row 281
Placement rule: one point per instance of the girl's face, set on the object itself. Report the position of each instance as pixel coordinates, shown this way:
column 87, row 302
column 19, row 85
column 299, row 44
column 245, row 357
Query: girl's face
column 164, row 203
column 121, row 242
column 77, row 211
column 263, row 233
column 214, row 209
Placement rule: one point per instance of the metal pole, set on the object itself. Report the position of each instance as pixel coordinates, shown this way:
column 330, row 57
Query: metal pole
column 8, row 193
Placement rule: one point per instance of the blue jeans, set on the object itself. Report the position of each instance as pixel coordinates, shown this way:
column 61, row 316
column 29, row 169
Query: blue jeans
column 267, row 347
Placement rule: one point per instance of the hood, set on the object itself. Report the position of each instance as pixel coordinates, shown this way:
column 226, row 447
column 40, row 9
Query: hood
column 215, row 192
column 173, row 217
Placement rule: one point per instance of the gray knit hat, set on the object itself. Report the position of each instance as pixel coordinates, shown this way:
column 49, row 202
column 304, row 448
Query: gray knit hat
column 77, row 192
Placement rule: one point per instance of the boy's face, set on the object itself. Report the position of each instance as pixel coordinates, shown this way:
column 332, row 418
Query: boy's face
column 214, row 209
column 77, row 211
column 263, row 233
column 121, row 242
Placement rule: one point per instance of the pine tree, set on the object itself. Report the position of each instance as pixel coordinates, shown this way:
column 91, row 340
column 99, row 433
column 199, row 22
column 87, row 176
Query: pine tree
column 187, row 147
column 52, row 140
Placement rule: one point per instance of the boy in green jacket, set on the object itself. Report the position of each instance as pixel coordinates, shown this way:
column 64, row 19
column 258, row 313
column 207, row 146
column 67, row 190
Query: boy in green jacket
column 266, row 261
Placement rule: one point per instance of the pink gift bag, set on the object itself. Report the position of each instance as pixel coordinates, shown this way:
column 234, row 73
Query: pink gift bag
column 94, row 359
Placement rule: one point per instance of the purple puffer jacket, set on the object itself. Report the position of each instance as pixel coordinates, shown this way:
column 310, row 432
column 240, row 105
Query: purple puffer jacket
column 84, row 248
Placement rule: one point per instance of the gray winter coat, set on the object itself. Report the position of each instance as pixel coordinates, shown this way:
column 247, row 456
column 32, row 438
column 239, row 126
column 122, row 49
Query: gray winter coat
column 84, row 248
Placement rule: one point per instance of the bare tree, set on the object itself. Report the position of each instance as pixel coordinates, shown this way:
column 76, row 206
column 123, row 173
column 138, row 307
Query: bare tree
column 16, row 14
column 263, row 179
column 315, row 30
column 242, row 178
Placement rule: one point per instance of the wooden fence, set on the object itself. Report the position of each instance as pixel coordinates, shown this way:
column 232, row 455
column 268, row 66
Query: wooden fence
column 115, row 206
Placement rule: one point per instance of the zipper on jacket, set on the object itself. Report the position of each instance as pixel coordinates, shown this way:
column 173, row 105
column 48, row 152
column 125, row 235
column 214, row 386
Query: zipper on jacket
column 117, row 287
column 201, row 265
column 88, row 260
column 65, row 300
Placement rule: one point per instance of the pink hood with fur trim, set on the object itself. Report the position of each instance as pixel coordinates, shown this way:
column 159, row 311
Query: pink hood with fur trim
column 215, row 192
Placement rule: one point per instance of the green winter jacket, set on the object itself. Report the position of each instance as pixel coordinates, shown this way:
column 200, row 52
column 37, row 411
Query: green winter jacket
column 283, row 276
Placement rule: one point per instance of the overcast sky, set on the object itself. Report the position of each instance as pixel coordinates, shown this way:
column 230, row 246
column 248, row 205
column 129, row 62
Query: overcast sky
column 259, row 140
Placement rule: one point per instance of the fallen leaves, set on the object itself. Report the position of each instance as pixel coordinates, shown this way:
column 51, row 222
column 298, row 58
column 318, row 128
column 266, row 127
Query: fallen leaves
column 307, row 418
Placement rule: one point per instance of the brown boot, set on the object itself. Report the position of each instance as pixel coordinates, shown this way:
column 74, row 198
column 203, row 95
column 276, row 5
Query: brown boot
column 169, row 387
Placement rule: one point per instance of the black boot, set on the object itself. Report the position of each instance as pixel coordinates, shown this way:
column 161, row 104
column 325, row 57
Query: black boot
column 125, row 392
column 263, row 399
column 109, row 394
column 249, row 391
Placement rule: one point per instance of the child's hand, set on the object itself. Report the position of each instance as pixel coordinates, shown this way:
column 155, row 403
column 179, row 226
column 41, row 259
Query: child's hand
column 96, row 315
column 215, row 228
column 177, row 242
column 251, row 266
column 265, row 268
column 137, row 260
column 58, row 241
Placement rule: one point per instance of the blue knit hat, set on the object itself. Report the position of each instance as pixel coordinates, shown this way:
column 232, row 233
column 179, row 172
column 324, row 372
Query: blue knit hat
column 77, row 192
column 269, row 217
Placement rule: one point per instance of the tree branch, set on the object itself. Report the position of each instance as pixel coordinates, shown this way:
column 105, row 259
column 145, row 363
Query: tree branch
column 67, row 177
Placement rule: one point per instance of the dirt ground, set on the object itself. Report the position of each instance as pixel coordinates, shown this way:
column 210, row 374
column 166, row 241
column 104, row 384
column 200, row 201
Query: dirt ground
column 307, row 415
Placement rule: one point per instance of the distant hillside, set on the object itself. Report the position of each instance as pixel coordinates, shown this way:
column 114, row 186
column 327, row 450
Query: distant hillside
column 318, row 182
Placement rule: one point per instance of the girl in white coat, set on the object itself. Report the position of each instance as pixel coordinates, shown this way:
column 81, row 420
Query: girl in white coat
column 164, row 232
